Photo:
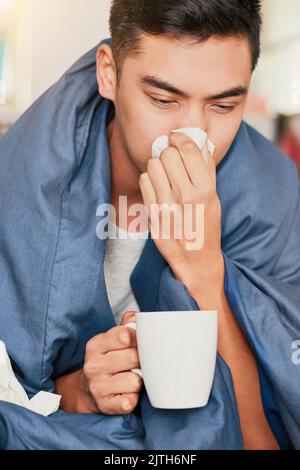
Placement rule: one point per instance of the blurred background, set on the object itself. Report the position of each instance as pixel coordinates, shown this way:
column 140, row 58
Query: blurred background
column 40, row 39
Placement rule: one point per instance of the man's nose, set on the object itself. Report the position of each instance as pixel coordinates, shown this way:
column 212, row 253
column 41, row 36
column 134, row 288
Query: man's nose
column 194, row 118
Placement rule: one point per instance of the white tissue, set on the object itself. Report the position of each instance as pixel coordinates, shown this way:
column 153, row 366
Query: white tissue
column 195, row 133
column 11, row 390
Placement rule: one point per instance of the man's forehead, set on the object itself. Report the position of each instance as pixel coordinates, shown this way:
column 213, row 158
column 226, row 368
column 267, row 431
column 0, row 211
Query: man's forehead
column 189, row 44
column 178, row 68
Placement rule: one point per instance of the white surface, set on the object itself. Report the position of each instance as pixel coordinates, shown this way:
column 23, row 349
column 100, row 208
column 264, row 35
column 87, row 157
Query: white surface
column 277, row 76
column 63, row 31
column 48, row 36
column 282, row 20
column 177, row 352
column 11, row 390
column 196, row 134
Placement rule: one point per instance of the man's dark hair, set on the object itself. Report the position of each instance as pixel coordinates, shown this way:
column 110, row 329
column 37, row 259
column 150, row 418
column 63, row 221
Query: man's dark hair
column 195, row 19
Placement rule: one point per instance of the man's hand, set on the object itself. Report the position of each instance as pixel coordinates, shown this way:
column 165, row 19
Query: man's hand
column 106, row 384
column 185, row 175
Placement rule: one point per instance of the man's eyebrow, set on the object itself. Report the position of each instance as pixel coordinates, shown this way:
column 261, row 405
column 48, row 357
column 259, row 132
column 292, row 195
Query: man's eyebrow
column 157, row 82
column 235, row 91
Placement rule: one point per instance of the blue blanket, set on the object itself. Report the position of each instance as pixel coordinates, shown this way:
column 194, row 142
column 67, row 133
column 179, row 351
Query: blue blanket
column 54, row 173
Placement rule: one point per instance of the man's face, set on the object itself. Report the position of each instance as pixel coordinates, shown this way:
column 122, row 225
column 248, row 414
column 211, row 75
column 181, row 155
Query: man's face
column 211, row 79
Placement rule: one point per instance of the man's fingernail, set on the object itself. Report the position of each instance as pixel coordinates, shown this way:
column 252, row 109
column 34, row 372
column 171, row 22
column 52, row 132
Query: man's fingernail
column 189, row 146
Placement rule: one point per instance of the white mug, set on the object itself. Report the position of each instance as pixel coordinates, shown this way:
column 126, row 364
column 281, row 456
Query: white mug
column 177, row 352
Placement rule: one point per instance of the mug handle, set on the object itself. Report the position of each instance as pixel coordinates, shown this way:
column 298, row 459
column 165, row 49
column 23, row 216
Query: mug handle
column 133, row 327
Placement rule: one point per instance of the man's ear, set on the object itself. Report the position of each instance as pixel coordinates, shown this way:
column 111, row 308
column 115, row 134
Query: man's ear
column 106, row 73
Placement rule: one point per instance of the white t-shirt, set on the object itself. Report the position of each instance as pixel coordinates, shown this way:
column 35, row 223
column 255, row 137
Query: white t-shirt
column 121, row 257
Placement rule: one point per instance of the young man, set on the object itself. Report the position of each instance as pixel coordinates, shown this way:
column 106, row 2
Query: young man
column 171, row 65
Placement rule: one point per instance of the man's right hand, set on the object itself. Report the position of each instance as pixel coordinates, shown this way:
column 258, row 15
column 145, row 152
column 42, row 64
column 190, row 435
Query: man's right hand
column 105, row 384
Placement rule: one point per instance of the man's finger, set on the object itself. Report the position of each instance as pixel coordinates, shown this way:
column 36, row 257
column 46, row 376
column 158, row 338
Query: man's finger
column 129, row 317
column 176, row 171
column 123, row 382
column 119, row 404
column 159, row 180
column 148, row 192
column 193, row 159
column 115, row 339
column 115, row 362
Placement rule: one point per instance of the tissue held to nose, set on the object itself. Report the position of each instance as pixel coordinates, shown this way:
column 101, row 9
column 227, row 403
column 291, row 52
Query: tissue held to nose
column 195, row 133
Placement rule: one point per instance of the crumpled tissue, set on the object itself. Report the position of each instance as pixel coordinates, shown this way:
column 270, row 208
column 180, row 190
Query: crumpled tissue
column 43, row 403
column 195, row 133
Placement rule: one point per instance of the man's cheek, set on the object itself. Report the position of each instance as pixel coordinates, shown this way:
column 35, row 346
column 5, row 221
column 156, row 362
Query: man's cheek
column 222, row 141
column 222, row 149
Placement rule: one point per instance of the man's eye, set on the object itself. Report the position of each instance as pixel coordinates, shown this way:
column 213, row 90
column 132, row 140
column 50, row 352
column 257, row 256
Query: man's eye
column 224, row 109
column 162, row 102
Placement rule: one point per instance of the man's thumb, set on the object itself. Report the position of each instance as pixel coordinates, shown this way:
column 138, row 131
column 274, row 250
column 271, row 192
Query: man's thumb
column 128, row 318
